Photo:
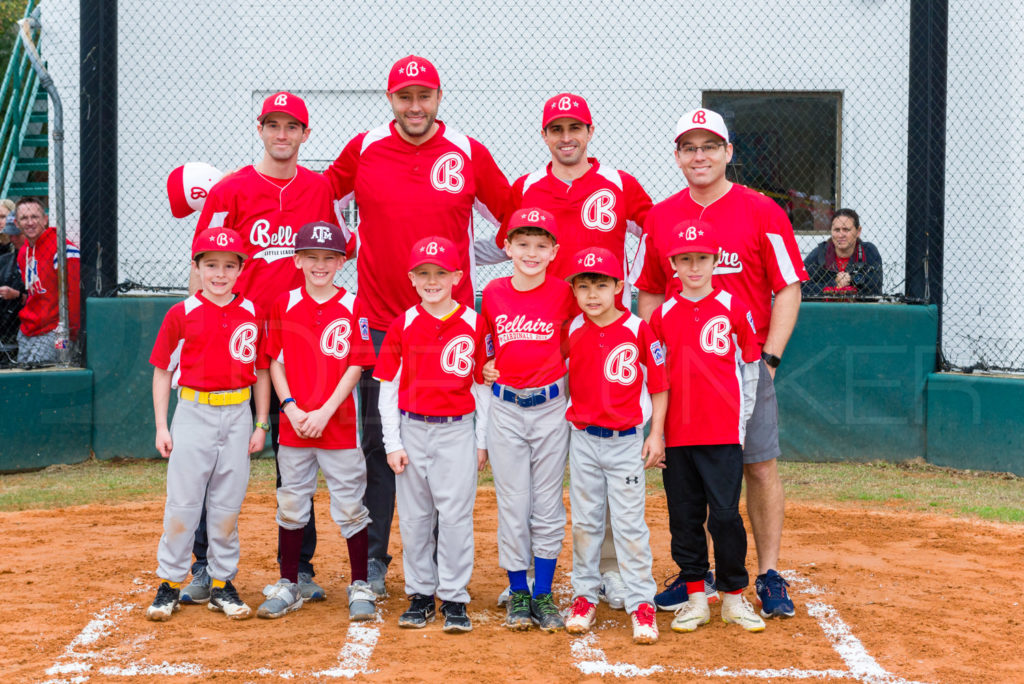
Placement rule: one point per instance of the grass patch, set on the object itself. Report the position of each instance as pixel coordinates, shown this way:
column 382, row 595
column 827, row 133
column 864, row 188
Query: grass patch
column 879, row 486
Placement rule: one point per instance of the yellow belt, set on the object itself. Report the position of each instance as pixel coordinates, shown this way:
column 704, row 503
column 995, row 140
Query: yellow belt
column 229, row 398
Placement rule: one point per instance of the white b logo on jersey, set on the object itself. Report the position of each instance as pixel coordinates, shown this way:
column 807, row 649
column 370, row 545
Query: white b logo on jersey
column 445, row 174
column 714, row 336
column 620, row 366
column 457, row 356
column 597, row 211
column 281, row 100
column 565, row 104
column 412, row 69
column 334, row 340
column 242, row 346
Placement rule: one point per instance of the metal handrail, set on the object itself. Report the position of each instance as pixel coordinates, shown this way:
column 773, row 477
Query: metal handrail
column 17, row 96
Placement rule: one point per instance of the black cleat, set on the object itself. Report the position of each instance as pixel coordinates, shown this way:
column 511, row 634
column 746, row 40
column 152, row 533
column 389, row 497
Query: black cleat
column 518, row 616
column 455, row 618
column 545, row 613
column 421, row 611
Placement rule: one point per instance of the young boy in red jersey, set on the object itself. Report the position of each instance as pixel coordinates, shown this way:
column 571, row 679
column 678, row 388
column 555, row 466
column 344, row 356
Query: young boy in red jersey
column 709, row 338
column 210, row 348
column 616, row 383
column 429, row 371
column 318, row 345
column 527, row 435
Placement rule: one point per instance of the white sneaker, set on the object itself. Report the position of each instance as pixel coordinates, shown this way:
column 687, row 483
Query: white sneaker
column 613, row 590
column 645, row 624
column 692, row 614
column 282, row 598
column 581, row 617
column 737, row 609
column 362, row 601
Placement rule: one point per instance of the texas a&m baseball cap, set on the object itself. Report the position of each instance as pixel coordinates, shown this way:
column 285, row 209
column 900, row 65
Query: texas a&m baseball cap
column 413, row 70
column 287, row 103
column 566, row 105
column 320, row 235
column 434, row 250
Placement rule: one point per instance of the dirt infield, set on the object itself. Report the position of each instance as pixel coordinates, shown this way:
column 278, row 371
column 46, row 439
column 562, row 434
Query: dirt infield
column 881, row 597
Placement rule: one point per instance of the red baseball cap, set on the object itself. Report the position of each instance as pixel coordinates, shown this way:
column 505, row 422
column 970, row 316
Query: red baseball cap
column 218, row 239
column 566, row 105
column 595, row 260
column 413, row 70
column 533, row 217
column 188, row 185
column 435, row 250
column 321, row 235
column 692, row 236
column 286, row 103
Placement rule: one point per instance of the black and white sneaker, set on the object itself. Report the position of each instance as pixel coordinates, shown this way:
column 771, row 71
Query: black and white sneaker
column 455, row 618
column 421, row 611
column 225, row 599
column 165, row 603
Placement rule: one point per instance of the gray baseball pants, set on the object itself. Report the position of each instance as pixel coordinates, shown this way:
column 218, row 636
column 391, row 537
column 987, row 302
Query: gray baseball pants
column 609, row 469
column 210, row 459
column 527, row 448
column 439, row 480
column 345, row 473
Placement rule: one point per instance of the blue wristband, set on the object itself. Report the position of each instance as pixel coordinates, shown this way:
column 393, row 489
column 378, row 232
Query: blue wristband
column 285, row 402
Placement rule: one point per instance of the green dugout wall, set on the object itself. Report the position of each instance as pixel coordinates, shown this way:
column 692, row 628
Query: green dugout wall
column 856, row 384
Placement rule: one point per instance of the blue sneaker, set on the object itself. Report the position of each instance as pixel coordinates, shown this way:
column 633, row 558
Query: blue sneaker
column 675, row 595
column 773, row 596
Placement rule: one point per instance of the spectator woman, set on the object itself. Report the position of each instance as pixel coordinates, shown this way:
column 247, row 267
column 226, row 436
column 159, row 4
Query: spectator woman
column 844, row 265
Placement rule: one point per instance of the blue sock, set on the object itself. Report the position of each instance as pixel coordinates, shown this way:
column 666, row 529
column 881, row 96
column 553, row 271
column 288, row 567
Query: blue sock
column 517, row 580
column 544, row 575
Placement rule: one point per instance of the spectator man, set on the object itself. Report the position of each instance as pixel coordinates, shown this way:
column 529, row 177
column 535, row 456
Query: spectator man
column 12, row 289
column 410, row 178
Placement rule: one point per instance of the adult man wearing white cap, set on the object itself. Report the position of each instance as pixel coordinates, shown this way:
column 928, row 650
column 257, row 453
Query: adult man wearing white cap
column 759, row 260
column 410, row 178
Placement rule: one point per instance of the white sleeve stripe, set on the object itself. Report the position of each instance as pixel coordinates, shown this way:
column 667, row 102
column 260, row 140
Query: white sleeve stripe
column 782, row 259
column 217, row 219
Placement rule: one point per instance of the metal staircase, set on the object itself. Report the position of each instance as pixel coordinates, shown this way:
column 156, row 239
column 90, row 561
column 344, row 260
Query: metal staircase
column 24, row 142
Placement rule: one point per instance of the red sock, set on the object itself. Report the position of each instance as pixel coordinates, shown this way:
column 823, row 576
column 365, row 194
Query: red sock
column 358, row 549
column 694, row 588
column 735, row 593
column 289, row 545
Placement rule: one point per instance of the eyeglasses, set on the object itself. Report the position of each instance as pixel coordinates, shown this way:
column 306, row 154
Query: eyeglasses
column 708, row 149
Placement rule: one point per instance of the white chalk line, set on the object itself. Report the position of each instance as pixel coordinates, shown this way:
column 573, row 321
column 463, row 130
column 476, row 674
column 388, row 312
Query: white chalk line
column 862, row 667
column 75, row 665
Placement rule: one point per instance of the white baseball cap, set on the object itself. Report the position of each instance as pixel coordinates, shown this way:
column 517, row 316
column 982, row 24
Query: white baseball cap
column 702, row 120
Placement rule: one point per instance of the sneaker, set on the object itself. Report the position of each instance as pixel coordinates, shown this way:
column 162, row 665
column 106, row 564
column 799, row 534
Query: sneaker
column 455, row 618
column 544, row 613
column 165, row 603
column 421, row 611
column 517, row 617
column 645, row 626
column 282, row 598
column 376, row 571
column 612, row 591
column 503, row 596
column 737, row 609
column 581, row 617
column 362, row 601
column 225, row 599
column 198, row 590
column 675, row 594
column 691, row 615
column 311, row 591
column 773, row 596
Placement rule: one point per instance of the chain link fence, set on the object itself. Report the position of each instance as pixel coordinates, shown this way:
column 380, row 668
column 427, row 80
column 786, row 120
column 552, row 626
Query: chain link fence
column 816, row 95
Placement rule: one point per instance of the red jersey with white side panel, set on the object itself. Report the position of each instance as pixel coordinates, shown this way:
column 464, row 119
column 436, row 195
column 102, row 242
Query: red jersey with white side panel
column 704, row 343
column 613, row 371
column 595, row 210
column 405, row 192
column 758, row 256
column 528, row 330
column 267, row 213
column 38, row 266
column 436, row 361
column 317, row 342
column 211, row 348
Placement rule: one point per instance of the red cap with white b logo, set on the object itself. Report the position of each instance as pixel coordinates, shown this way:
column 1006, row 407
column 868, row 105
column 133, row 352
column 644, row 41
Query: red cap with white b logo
column 692, row 236
column 286, row 103
column 434, row 250
column 595, row 260
column 188, row 185
column 413, row 70
column 566, row 105
column 219, row 239
column 533, row 218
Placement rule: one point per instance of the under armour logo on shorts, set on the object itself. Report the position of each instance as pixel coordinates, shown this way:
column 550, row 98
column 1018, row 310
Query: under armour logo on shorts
column 635, row 479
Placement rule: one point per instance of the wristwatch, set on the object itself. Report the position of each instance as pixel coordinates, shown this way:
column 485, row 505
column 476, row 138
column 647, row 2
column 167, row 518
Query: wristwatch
column 770, row 359
column 263, row 426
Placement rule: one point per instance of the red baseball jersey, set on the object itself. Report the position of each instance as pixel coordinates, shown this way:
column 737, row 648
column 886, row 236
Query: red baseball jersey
column 758, row 255
column 704, row 342
column 38, row 266
column 405, row 192
column 613, row 371
column 596, row 210
column 211, row 348
column 528, row 330
column 267, row 213
column 435, row 360
column 317, row 342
